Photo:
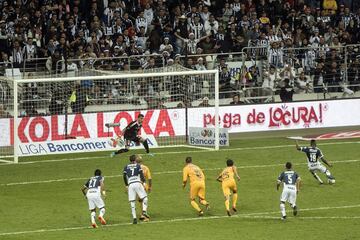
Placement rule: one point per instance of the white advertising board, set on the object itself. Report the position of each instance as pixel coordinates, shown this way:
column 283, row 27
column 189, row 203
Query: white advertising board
column 206, row 136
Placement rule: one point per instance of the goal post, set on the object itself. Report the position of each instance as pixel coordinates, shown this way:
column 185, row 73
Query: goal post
column 7, row 120
column 70, row 114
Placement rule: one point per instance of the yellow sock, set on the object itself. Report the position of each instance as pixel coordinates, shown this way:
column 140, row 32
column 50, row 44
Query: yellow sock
column 195, row 205
column 227, row 204
column 234, row 199
column 203, row 202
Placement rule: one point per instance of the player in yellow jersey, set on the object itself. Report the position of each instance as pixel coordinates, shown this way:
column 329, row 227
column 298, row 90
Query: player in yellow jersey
column 227, row 179
column 148, row 180
column 197, row 184
column 147, row 173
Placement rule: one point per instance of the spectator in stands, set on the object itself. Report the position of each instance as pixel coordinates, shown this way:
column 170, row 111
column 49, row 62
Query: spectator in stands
column 30, row 49
column 330, row 6
column 208, row 46
column 3, row 112
column 55, row 63
column 166, row 46
column 286, row 91
column 319, row 76
column 276, row 55
column 200, row 64
column 224, row 81
column 205, row 102
column 79, row 99
column 333, row 77
column 288, row 73
column 5, row 62
column 29, row 110
column 354, row 74
column 181, row 32
column 161, row 104
column 56, row 106
column 268, row 85
column 236, row 100
column 211, row 25
column 303, row 83
column 185, row 103
column 17, row 56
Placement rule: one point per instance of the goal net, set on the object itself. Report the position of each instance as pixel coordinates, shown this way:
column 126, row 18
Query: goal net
column 82, row 113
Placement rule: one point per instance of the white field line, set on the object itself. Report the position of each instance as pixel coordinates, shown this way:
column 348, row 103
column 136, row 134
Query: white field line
column 157, row 173
column 6, row 161
column 306, row 210
column 244, row 216
column 179, row 152
column 305, row 218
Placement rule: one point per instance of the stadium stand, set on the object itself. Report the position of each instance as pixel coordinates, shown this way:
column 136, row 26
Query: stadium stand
column 264, row 49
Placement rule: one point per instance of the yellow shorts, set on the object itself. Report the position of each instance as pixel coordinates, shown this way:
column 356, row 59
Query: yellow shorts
column 197, row 189
column 228, row 187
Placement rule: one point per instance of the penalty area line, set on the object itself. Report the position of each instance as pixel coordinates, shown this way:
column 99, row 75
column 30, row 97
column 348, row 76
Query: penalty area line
column 177, row 152
column 158, row 173
column 244, row 216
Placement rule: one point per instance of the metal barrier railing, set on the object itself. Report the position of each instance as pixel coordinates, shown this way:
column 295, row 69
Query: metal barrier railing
column 247, row 70
column 34, row 65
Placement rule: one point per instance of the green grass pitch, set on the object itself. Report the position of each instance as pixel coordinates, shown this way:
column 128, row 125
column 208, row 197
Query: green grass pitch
column 42, row 199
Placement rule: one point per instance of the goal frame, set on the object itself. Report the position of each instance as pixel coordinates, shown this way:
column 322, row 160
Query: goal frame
column 16, row 82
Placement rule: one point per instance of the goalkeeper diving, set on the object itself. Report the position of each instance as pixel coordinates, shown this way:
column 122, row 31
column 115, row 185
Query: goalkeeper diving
column 130, row 134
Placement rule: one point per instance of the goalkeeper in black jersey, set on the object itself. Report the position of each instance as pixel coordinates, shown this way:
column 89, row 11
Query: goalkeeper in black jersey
column 130, row 134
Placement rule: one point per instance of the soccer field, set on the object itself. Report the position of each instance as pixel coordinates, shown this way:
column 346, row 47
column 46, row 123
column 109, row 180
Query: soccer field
column 41, row 198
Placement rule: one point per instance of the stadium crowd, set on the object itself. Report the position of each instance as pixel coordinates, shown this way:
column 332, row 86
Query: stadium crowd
column 83, row 29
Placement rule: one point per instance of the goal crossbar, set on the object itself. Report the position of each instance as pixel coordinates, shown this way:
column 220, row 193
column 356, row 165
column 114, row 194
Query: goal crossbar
column 117, row 76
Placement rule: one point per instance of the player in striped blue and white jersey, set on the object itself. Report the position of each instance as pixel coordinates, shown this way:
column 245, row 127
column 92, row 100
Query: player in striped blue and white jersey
column 313, row 155
column 94, row 191
column 291, row 186
column 134, row 180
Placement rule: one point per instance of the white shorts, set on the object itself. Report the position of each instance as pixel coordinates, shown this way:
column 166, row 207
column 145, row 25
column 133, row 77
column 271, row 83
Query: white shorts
column 95, row 201
column 289, row 195
column 136, row 189
column 317, row 167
